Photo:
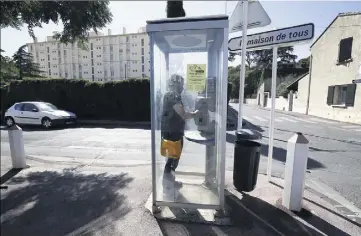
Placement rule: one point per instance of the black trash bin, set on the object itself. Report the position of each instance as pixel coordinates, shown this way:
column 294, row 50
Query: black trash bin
column 247, row 151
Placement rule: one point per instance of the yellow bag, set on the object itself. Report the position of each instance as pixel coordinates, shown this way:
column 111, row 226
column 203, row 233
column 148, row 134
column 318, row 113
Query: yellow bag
column 171, row 149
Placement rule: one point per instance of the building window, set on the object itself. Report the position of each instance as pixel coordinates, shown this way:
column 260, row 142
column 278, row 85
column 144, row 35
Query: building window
column 85, row 57
column 127, row 38
column 111, row 57
column 99, row 55
column 142, row 68
column 345, row 50
column 64, row 52
column 91, row 46
column 50, row 72
column 92, row 70
column 142, row 60
column 47, row 49
column 49, row 64
column 105, row 73
column 111, row 48
column 120, row 50
column 142, row 51
column 142, row 42
column 48, row 57
column 342, row 95
column 111, row 72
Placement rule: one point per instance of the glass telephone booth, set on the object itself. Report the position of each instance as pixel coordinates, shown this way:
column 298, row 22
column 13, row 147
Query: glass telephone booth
column 191, row 55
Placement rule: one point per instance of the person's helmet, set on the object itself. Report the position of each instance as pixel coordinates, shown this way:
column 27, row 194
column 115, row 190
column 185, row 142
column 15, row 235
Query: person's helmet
column 176, row 83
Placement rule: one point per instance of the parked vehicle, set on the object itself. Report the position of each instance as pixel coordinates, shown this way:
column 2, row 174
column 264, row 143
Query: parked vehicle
column 38, row 113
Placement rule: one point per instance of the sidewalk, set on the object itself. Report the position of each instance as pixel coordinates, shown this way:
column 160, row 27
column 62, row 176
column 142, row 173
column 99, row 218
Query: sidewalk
column 79, row 199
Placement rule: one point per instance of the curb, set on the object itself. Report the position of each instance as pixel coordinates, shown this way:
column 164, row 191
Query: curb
column 112, row 122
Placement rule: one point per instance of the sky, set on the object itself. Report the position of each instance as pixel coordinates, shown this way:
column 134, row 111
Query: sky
column 134, row 14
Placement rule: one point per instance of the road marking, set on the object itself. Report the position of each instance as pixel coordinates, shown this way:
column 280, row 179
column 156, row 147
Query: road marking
column 304, row 120
column 259, row 118
column 323, row 121
column 290, row 120
column 351, row 126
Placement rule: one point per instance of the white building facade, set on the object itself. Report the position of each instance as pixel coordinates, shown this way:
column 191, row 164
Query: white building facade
column 108, row 58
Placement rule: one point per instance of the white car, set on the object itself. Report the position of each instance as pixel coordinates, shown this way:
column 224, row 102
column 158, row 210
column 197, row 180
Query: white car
column 37, row 113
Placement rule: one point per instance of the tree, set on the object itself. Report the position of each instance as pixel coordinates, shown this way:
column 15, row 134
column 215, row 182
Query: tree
column 24, row 62
column 263, row 58
column 78, row 17
column 8, row 70
column 249, row 57
column 304, row 62
column 175, row 9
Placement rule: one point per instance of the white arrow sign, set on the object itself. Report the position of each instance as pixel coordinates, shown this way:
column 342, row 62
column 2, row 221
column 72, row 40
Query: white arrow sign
column 257, row 17
column 289, row 35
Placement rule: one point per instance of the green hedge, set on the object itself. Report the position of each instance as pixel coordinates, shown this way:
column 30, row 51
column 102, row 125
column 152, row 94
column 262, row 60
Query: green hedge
column 127, row 100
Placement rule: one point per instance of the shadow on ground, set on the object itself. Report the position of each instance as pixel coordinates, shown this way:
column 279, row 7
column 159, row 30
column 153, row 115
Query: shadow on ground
column 254, row 212
column 279, row 154
column 357, row 143
column 60, row 203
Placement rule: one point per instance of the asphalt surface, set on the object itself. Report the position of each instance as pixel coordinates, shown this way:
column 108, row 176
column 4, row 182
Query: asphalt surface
column 334, row 153
column 334, row 157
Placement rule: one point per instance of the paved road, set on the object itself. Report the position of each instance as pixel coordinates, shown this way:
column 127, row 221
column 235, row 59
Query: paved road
column 335, row 148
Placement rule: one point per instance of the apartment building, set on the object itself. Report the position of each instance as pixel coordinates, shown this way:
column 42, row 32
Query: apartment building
column 108, row 58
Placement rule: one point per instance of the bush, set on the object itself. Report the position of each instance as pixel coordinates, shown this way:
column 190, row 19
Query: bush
column 127, row 100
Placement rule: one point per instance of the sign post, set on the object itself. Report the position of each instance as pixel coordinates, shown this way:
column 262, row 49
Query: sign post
column 266, row 40
column 272, row 115
column 242, row 72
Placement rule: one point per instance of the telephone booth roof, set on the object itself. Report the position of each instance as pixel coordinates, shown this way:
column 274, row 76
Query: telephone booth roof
column 187, row 34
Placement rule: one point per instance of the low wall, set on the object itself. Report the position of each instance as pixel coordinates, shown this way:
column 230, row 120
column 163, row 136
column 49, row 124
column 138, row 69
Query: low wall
column 251, row 101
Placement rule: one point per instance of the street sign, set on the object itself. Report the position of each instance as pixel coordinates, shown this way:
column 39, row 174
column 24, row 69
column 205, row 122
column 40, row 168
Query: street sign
column 257, row 17
column 356, row 81
column 280, row 37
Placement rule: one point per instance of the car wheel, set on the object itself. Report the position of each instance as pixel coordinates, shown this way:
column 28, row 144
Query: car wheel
column 46, row 123
column 9, row 121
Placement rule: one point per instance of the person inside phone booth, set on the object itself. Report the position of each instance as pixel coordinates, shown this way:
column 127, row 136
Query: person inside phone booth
column 172, row 128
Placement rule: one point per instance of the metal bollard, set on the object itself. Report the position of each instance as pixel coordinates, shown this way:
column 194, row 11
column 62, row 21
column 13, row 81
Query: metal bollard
column 295, row 172
column 17, row 147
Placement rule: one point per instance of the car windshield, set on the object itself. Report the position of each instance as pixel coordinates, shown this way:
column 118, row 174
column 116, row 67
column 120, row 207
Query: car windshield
column 47, row 107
